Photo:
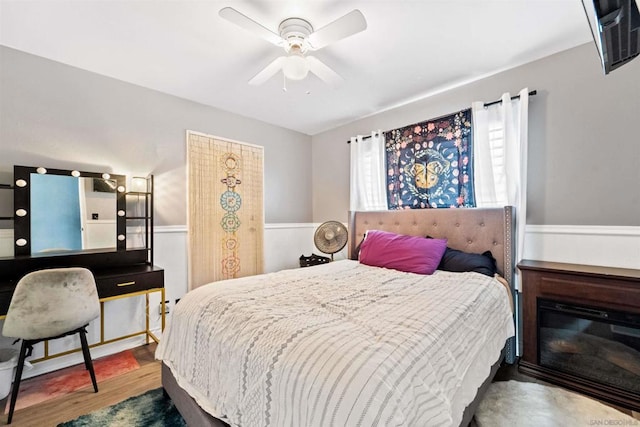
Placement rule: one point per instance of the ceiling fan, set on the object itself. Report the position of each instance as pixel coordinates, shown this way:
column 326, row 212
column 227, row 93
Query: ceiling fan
column 298, row 37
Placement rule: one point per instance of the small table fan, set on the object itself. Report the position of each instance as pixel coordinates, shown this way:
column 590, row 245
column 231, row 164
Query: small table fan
column 330, row 237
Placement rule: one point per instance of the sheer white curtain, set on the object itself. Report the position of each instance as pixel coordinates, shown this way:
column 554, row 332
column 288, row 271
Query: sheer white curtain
column 500, row 159
column 368, row 183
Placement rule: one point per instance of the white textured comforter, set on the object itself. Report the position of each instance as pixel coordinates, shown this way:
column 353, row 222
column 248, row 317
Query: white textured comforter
column 341, row 344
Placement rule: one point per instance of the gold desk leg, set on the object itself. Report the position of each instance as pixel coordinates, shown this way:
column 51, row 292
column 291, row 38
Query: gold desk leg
column 101, row 321
column 146, row 296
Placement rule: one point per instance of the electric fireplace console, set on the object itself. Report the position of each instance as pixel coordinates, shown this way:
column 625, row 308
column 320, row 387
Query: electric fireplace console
column 582, row 329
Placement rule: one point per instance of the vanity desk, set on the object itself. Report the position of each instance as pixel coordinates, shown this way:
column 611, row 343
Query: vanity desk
column 106, row 214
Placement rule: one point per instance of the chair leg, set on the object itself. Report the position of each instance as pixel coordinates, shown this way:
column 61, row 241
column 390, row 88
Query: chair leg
column 16, row 381
column 87, row 357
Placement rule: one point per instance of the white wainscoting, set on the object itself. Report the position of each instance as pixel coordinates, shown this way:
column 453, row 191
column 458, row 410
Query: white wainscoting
column 283, row 245
column 608, row 246
column 170, row 253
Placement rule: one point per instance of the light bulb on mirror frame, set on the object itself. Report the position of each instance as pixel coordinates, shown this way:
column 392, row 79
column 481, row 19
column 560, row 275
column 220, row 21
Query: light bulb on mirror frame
column 21, row 212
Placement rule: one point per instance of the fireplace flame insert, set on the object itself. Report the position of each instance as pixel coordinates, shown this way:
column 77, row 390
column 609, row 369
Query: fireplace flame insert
column 593, row 343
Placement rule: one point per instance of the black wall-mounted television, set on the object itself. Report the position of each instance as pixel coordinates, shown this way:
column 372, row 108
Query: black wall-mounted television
column 615, row 26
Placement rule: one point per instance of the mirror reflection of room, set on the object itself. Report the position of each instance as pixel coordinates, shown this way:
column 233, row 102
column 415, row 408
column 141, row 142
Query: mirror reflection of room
column 70, row 213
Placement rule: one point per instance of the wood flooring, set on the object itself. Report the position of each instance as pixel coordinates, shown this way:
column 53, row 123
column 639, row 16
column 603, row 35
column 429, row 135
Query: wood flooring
column 83, row 401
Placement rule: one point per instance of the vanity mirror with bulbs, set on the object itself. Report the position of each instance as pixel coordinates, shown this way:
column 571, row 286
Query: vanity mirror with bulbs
column 73, row 218
column 61, row 211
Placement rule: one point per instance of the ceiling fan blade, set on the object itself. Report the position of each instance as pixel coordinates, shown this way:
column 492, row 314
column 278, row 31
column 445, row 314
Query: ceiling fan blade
column 268, row 71
column 232, row 15
column 351, row 23
column 323, row 72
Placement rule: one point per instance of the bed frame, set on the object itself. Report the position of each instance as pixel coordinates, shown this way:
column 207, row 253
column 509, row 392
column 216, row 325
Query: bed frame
column 470, row 230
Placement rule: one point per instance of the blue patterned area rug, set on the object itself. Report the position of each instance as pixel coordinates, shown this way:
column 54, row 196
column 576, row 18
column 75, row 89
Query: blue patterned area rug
column 151, row 409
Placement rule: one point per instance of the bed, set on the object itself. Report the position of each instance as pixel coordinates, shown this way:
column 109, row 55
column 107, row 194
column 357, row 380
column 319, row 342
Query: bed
column 324, row 345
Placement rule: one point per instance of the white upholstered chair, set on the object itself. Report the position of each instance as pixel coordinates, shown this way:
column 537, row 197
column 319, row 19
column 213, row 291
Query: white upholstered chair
column 50, row 304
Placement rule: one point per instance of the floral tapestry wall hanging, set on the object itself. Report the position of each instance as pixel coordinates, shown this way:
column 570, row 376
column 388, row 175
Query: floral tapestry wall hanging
column 430, row 165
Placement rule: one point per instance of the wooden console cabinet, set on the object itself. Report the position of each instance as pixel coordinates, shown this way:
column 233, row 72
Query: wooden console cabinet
column 608, row 288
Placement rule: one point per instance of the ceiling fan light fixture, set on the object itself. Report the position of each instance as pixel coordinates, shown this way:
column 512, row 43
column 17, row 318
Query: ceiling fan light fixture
column 295, row 66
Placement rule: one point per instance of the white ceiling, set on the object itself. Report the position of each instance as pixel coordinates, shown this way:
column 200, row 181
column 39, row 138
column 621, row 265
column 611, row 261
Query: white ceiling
column 409, row 50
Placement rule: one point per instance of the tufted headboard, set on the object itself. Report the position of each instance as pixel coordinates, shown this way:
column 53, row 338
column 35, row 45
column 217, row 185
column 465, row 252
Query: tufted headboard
column 471, row 230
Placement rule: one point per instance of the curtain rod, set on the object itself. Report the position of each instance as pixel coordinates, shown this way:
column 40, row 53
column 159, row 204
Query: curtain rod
column 532, row 93
column 487, row 104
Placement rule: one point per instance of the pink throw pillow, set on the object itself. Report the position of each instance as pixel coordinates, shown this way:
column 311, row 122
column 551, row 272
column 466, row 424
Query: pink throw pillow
column 413, row 254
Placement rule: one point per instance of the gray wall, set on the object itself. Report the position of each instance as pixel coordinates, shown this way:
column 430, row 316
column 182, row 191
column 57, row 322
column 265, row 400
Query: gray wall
column 584, row 140
column 59, row 116
column 584, row 148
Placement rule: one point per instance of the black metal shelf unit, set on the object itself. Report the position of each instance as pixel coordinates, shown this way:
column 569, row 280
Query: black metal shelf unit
column 139, row 214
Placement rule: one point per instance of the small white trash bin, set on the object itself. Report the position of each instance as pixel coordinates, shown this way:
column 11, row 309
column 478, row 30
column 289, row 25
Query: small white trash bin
column 8, row 363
